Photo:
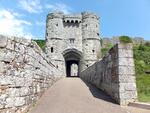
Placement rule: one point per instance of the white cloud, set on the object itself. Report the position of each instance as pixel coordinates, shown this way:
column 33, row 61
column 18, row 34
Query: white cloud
column 59, row 7
column 10, row 24
column 31, row 6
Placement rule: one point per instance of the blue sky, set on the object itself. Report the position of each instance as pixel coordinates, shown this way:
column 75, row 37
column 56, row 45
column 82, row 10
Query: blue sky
column 117, row 17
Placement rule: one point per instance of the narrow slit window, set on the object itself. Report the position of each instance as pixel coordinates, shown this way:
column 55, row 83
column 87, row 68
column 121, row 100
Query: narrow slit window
column 52, row 49
column 93, row 50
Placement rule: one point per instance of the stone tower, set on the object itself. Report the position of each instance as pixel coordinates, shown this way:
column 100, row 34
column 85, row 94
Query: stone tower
column 90, row 38
column 72, row 39
column 54, row 39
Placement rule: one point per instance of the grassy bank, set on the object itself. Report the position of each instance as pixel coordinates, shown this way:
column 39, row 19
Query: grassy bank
column 142, row 64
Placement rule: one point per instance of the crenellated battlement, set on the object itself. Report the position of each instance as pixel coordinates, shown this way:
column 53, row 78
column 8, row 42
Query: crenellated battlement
column 73, row 18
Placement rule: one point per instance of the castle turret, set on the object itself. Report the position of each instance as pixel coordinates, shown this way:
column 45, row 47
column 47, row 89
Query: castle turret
column 90, row 38
column 54, row 37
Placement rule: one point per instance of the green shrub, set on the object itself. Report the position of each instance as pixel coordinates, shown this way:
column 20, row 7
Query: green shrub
column 125, row 39
column 104, row 51
column 141, row 47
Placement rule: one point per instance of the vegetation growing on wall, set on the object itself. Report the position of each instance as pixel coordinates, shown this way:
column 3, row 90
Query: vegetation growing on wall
column 125, row 39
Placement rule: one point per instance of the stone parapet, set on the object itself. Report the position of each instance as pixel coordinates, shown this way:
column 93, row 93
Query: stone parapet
column 25, row 73
column 115, row 74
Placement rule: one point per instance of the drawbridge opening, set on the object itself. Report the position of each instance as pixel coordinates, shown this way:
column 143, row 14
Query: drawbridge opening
column 72, row 62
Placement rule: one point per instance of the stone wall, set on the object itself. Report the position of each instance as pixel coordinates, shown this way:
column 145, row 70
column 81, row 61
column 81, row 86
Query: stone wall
column 115, row 74
column 25, row 73
column 115, row 40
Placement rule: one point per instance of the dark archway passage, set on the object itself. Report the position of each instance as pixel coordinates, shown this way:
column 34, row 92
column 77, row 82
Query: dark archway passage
column 68, row 68
column 72, row 56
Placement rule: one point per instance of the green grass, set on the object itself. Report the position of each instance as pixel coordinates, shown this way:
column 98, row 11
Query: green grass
column 41, row 43
column 104, row 51
column 143, row 86
column 142, row 64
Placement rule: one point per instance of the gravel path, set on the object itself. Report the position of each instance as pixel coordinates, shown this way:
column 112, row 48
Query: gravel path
column 72, row 95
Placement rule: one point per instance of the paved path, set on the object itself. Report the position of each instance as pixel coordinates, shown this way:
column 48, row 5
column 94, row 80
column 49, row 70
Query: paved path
column 72, row 95
column 136, row 110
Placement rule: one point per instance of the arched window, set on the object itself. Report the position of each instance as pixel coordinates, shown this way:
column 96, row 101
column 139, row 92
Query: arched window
column 52, row 49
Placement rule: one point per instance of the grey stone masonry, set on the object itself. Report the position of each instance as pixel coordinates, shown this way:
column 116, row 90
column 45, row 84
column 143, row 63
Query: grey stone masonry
column 77, row 31
column 115, row 74
column 25, row 73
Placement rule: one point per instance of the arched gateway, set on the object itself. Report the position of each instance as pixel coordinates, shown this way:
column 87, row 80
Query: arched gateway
column 72, row 56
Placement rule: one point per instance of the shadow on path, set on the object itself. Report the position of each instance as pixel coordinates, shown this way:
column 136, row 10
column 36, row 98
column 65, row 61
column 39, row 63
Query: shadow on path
column 98, row 93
